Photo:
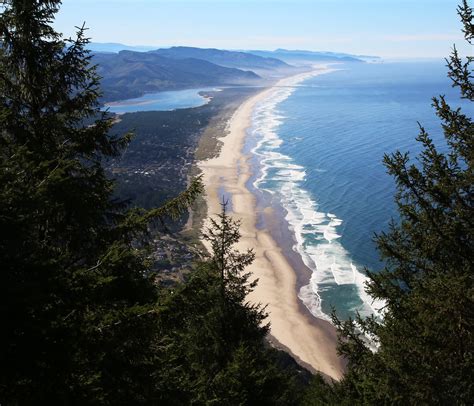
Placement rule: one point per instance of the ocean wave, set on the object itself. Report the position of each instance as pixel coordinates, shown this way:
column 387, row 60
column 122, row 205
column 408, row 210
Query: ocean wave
column 316, row 233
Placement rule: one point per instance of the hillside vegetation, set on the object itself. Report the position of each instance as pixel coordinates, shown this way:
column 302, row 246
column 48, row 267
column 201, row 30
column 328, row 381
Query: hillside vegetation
column 85, row 319
column 234, row 59
column 131, row 74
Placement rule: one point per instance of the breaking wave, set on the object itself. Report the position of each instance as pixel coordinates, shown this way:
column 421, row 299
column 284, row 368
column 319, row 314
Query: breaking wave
column 335, row 280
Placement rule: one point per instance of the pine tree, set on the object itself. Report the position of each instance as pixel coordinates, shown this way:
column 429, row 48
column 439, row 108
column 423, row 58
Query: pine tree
column 222, row 234
column 426, row 340
column 214, row 348
column 78, row 306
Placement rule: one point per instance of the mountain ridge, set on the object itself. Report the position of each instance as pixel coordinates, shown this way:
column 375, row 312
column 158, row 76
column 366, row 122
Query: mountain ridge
column 129, row 74
column 233, row 59
column 301, row 56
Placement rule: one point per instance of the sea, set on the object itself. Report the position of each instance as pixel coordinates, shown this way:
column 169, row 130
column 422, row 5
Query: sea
column 317, row 152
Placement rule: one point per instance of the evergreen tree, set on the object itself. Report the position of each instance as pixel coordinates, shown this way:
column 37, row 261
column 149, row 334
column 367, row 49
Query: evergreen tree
column 82, row 319
column 426, row 340
column 214, row 347
column 78, row 306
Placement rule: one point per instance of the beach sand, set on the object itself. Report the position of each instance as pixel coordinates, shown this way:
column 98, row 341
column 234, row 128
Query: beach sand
column 311, row 341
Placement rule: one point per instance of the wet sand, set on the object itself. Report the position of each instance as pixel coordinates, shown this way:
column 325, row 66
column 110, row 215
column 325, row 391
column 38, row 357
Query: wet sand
column 311, row 341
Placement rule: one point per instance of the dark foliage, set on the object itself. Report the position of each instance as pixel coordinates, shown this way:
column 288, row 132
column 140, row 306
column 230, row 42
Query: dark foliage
column 214, row 347
column 74, row 277
column 83, row 321
column 426, row 339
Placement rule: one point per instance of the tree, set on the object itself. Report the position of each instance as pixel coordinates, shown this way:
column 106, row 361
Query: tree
column 222, row 235
column 213, row 347
column 426, row 339
column 78, row 305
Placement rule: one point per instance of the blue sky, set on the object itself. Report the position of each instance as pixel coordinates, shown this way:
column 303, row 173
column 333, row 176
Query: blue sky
column 389, row 28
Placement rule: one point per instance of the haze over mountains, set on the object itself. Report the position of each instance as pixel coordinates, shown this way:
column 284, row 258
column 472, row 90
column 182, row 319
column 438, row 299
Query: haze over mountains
column 301, row 56
column 131, row 74
column 284, row 55
column 232, row 59
column 130, row 71
column 115, row 47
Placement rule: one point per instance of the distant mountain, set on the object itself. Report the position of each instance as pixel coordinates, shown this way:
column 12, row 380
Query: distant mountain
column 326, row 53
column 131, row 74
column 232, row 59
column 300, row 56
column 113, row 47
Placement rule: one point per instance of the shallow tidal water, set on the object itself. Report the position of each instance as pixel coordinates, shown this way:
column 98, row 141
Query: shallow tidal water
column 318, row 150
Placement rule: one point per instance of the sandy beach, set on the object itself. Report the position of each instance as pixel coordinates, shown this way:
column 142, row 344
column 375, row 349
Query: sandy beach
column 311, row 341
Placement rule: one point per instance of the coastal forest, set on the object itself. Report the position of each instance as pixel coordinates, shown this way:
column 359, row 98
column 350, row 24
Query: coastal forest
column 91, row 313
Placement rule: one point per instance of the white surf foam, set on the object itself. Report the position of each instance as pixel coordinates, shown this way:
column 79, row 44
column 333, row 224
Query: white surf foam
column 316, row 233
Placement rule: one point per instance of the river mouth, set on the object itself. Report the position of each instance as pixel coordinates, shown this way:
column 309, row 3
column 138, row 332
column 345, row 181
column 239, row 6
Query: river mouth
column 163, row 101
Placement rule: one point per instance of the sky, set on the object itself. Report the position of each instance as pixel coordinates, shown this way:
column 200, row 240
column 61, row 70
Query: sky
column 386, row 28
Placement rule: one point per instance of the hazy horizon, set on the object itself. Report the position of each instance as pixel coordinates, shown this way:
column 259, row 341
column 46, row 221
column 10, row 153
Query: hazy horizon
column 390, row 29
column 145, row 48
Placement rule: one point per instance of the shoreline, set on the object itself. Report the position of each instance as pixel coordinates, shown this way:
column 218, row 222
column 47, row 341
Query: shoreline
column 310, row 340
column 141, row 101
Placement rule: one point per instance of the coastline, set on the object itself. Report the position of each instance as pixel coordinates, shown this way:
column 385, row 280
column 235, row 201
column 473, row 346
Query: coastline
column 310, row 340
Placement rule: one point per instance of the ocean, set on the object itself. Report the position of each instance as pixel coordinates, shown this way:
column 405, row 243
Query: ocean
column 317, row 153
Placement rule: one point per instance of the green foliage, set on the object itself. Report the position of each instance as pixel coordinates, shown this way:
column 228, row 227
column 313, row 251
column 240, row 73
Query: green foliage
column 77, row 303
column 222, row 235
column 82, row 319
column 426, row 340
column 319, row 393
column 215, row 350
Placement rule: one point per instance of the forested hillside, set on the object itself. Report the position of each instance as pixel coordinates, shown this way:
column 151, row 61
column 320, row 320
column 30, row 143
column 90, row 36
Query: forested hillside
column 85, row 321
column 130, row 74
column 85, row 317
column 234, row 59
